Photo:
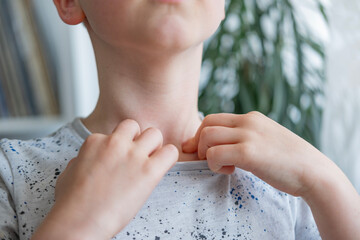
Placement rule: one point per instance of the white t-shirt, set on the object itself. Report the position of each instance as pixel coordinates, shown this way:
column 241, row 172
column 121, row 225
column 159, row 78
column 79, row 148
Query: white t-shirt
column 190, row 202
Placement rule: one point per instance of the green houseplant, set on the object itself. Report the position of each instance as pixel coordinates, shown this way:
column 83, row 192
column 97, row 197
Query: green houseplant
column 259, row 60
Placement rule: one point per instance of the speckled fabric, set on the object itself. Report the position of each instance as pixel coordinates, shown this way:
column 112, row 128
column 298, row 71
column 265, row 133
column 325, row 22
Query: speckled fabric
column 191, row 202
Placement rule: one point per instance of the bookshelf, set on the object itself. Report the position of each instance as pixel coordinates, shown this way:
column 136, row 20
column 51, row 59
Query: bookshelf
column 75, row 73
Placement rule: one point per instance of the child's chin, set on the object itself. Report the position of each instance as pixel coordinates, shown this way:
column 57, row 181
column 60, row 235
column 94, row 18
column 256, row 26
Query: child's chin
column 176, row 45
column 175, row 37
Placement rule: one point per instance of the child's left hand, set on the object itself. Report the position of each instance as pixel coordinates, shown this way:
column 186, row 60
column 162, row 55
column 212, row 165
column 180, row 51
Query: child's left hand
column 279, row 157
column 257, row 144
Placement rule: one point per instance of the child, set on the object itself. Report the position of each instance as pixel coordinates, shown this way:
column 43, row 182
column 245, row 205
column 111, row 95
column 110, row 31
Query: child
column 133, row 175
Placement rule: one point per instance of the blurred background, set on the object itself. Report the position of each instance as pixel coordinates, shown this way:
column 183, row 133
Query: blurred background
column 296, row 61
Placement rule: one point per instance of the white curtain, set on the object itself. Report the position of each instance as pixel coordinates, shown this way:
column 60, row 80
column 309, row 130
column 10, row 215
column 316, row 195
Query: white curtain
column 341, row 123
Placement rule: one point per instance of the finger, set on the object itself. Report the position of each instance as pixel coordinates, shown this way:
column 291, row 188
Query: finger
column 71, row 162
column 220, row 119
column 229, row 155
column 228, row 170
column 212, row 136
column 150, row 140
column 163, row 159
column 128, row 129
column 68, row 167
column 91, row 146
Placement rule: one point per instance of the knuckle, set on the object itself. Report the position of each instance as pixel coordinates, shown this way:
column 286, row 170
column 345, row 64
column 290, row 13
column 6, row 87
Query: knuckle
column 131, row 155
column 207, row 132
column 212, row 153
column 152, row 171
column 255, row 113
column 148, row 169
column 90, row 143
column 209, row 118
column 172, row 149
column 251, row 118
column 135, row 154
column 155, row 132
column 172, row 153
column 169, row 152
column 104, row 161
column 249, row 135
column 130, row 124
column 113, row 141
column 93, row 138
column 254, row 116
column 247, row 151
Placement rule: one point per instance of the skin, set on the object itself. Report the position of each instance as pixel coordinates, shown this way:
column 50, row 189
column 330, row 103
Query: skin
column 257, row 144
column 107, row 166
column 149, row 54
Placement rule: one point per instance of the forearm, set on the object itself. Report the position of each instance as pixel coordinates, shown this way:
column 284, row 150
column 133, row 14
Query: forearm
column 62, row 225
column 335, row 204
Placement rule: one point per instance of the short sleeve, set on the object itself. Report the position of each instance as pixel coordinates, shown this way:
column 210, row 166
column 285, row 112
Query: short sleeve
column 305, row 226
column 8, row 217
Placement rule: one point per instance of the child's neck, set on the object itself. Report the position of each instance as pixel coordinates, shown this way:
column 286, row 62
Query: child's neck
column 159, row 92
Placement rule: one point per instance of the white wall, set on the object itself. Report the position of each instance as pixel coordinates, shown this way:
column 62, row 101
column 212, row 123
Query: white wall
column 341, row 124
column 86, row 84
column 340, row 139
column 76, row 62
column 57, row 36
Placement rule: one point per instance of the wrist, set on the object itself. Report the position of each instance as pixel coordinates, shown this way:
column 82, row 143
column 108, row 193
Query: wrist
column 324, row 180
column 61, row 223
column 334, row 202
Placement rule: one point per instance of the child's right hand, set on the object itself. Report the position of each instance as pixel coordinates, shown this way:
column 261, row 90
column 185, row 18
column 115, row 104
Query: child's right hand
column 103, row 188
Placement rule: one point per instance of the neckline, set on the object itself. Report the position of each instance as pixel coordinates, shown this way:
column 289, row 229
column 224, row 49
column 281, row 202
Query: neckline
column 84, row 133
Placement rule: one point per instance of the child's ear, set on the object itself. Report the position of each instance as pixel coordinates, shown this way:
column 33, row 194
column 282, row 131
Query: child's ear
column 70, row 11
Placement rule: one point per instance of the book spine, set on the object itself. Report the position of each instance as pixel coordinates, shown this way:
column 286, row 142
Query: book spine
column 8, row 63
column 48, row 54
column 27, row 87
column 4, row 111
column 4, row 90
column 18, row 53
column 34, row 57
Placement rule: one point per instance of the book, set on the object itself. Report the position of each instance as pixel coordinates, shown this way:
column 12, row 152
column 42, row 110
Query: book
column 27, row 88
column 10, row 79
column 15, row 64
column 4, row 110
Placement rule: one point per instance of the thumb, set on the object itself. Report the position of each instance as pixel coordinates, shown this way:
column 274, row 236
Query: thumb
column 71, row 163
column 190, row 146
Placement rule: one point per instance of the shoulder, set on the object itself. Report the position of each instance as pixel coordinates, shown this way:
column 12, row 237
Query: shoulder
column 253, row 189
column 273, row 203
column 24, row 157
column 65, row 136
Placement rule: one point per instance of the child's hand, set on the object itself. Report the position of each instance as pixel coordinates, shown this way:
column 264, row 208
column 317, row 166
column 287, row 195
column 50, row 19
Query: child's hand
column 257, row 144
column 103, row 188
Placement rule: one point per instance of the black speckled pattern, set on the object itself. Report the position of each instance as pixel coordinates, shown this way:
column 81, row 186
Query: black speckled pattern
column 191, row 202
